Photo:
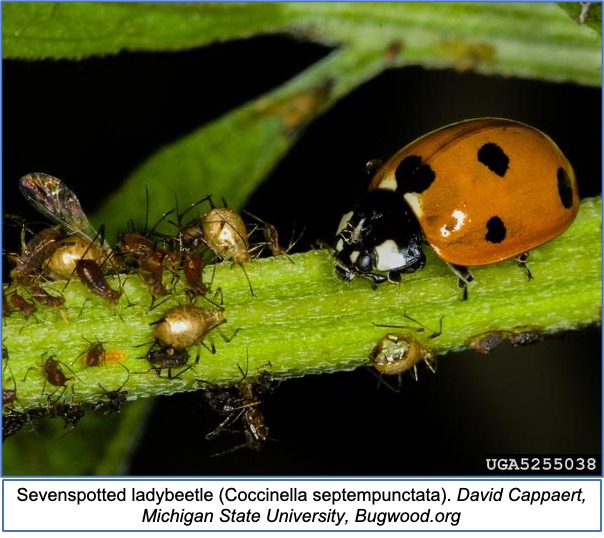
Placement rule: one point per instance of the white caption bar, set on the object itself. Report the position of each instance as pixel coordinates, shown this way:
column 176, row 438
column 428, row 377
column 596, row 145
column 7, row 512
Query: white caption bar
column 309, row 504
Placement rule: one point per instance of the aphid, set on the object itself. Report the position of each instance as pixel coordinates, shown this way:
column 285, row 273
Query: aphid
column 9, row 396
column 54, row 374
column 184, row 326
column 222, row 230
column 115, row 398
column 478, row 192
column 397, row 353
column 192, row 266
column 150, row 260
column 63, row 261
column 13, row 421
column 90, row 273
column 244, row 405
column 6, row 311
column 70, row 413
column 226, row 234
column 33, row 254
column 94, row 355
column 180, row 328
column 271, row 237
column 166, row 358
column 82, row 251
column 488, row 341
column 20, row 303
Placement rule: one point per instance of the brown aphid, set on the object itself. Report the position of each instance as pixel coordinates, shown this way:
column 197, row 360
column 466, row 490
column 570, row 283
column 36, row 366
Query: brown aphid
column 53, row 373
column 486, row 342
column 150, row 260
column 90, row 274
column 34, row 253
column 524, row 338
column 20, row 303
column 115, row 399
column 8, row 396
column 192, row 266
column 397, row 353
column 6, row 311
column 184, row 326
column 94, row 355
column 271, row 236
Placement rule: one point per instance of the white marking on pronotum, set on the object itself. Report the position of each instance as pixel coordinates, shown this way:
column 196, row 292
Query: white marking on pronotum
column 414, row 202
column 389, row 256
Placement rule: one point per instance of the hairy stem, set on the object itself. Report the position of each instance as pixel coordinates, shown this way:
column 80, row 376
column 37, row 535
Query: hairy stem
column 302, row 320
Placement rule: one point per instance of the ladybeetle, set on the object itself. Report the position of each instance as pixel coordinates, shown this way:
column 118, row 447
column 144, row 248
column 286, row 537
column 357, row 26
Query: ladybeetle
column 478, row 192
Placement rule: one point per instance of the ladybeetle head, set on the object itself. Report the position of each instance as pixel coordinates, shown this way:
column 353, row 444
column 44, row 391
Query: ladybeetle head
column 382, row 234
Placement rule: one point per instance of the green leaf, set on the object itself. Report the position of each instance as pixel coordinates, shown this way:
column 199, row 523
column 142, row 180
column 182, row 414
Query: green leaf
column 588, row 13
column 521, row 39
column 76, row 30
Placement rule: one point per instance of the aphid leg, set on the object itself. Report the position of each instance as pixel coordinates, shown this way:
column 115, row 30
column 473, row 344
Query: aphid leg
column 521, row 261
column 249, row 282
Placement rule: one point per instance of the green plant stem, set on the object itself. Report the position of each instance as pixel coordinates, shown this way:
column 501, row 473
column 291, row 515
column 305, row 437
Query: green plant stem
column 303, row 320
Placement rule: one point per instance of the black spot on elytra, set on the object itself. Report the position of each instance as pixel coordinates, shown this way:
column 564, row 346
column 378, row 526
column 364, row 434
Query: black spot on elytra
column 494, row 158
column 412, row 175
column 496, row 231
column 565, row 189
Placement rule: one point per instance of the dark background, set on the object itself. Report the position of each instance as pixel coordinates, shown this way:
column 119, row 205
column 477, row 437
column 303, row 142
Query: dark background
column 91, row 123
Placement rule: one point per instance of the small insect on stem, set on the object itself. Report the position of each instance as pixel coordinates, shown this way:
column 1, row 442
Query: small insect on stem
column 20, row 303
column 241, row 402
column 90, row 273
column 94, row 355
column 488, row 341
column 115, row 398
column 395, row 353
column 70, row 413
column 33, row 255
column 150, row 259
column 82, row 251
column 53, row 373
column 179, row 329
column 271, row 237
column 222, row 230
